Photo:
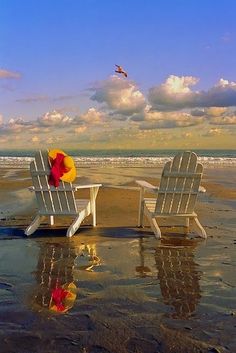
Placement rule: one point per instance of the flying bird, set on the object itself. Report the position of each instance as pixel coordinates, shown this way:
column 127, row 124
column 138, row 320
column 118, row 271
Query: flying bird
column 120, row 70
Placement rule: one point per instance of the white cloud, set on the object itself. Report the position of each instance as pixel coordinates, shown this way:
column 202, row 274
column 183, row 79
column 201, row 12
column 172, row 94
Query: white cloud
column 80, row 130
column 54, row 118
column 215, row 111
column 221, row 116
column 224, row 120
column 225, row 83
column 161, row 120
column 213, row 132
column 92, row 116
column 119, row 95
column 175, row 94
column 14, row 126
column 178, row 85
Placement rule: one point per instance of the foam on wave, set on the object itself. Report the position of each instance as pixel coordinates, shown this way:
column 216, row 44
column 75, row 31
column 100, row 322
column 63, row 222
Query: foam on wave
column 23, row 162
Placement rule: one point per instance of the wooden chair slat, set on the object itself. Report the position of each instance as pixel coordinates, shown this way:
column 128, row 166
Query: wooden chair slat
column 52, row 201
column 177, row 194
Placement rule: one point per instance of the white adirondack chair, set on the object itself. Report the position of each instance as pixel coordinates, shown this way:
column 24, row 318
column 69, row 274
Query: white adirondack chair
column 60, row 201
column 176, row 196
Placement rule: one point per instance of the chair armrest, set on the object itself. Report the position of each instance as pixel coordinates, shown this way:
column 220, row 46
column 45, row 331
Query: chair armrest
column 147, row 186
column 89, row 186
column 75, row 187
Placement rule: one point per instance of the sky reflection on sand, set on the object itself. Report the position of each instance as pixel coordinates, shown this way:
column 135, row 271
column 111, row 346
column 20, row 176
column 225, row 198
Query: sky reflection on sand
column 97, row 262
column 165, row 277
column 126, row 280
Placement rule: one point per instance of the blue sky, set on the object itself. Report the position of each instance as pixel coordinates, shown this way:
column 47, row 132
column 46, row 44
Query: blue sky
column 58, row 85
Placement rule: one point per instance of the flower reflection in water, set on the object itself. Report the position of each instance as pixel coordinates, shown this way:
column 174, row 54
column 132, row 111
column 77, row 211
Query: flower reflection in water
column 58, row 261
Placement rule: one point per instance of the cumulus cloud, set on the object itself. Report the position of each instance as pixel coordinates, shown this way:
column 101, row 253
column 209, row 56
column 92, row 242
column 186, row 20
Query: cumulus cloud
column 80, row 129
column 172, row 105
column 216, row 111
column 179, row 85
column 9, row 74
column 221, row 116
column 14, row 126
column 17, row 121
column 119, row 95
column 167, row 120
column 93, row 116
column 54, row 118
column 198, row 112
column 213, row 132
column 224, row 120
column 175, row 94
column 223, row 94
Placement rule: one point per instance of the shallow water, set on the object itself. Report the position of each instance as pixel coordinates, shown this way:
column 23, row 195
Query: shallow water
column 133, row 293
column 138, row 285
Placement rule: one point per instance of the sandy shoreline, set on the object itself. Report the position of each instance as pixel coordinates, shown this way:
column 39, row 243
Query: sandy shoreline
column 141, row 295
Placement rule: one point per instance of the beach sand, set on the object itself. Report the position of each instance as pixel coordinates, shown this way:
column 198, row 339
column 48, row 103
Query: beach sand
column 134, row 293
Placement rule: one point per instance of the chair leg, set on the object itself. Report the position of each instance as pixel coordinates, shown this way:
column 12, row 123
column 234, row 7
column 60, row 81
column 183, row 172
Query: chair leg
column 94, row 216
column 93, row 195
column 34, row 225
column 75, row 225
column 141, row 206
column 93, row 207
column 187, row 224
column 154, row 225
column 140, row 216
column 51, row 220
column 199, row 228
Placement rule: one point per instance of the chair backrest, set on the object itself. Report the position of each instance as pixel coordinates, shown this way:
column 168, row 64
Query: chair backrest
column 179, row 185
column 51, row 200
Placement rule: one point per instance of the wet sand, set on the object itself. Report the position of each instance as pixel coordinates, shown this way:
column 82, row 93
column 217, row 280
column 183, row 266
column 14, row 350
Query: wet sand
column 134, row 293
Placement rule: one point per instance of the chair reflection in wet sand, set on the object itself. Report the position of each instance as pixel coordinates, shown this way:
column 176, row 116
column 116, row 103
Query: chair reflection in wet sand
column 56, row 284
column 86, row 258
column 142, row 269
column 178, row 276
column 56, row 289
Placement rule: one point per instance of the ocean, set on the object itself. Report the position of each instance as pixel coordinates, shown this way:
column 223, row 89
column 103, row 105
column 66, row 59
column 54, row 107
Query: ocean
column 120, row 158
